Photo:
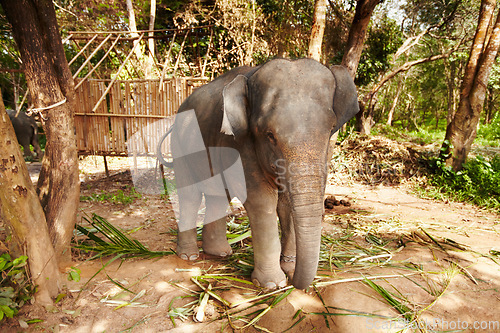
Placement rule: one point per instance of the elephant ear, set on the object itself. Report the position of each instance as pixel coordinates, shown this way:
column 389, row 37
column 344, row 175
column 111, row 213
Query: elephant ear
column 345, row 99
column 234, row 121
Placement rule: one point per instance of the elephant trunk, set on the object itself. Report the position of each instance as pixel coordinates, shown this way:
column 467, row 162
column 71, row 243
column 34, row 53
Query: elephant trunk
column 307, row 214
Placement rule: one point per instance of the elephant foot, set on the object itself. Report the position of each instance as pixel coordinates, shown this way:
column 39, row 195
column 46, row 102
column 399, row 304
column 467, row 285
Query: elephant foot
column 287, row 264
column 215, row 239
column 188, row 251
column 217, row 249
column 269, row 281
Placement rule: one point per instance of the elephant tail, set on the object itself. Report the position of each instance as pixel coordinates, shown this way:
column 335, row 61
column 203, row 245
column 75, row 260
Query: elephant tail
column 159, row 154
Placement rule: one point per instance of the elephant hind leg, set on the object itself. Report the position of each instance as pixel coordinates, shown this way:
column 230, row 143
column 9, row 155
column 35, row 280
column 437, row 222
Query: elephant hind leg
column 189, row 203
column 27, row 149
column 214, row 228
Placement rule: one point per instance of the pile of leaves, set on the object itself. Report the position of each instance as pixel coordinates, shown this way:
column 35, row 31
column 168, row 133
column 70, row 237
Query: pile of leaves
column 15, row 286
column 375, row 160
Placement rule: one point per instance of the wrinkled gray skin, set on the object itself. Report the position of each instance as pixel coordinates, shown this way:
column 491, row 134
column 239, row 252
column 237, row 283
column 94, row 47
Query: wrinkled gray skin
column 26, row 132
column 279, row 117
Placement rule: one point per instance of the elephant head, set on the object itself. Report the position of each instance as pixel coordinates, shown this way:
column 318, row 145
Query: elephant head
column 288, row 111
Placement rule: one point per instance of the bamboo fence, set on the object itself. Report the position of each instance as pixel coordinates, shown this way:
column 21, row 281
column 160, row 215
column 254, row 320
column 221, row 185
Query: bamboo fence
column 132, row 118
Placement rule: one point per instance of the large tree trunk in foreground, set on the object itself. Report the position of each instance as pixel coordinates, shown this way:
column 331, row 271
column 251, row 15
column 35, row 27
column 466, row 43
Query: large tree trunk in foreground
column 22, row 212
column 50, row 82
column 352, row 55
column 318, row 30
column 462, row 129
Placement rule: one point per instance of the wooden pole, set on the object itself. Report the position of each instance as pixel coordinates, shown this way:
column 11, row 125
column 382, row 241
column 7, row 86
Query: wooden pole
column 106, row 166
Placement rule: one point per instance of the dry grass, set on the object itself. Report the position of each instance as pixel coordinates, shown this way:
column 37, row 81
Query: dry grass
column 375, row 160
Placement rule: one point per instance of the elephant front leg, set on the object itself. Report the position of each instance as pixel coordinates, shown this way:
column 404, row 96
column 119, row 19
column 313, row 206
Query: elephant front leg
column 37, row 149
column 261, row 210
column 288, row 246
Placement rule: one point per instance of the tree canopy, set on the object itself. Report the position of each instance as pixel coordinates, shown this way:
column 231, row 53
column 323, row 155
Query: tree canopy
column 406, row 45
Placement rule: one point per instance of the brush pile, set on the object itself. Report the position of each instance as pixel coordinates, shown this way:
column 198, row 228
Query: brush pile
column 375, row 160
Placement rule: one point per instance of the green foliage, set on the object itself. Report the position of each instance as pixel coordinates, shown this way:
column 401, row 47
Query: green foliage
column 15, row 286
column 384, row 38
column 118, row 197
column 117, row 243
column 489, row 134
column 478, row 182
column 423, row 136
column 74, row 274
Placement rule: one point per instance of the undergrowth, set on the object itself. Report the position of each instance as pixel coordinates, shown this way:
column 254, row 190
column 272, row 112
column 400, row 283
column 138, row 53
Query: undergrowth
column 489, row 134
column 375, row 160
column 118, row 197
column 15, row 286
column 478, row 182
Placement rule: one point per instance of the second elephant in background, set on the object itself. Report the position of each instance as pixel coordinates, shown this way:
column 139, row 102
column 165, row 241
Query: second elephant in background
column 26, row 130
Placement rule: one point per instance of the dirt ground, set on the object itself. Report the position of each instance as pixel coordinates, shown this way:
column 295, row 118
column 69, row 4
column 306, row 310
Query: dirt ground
column 448, row 288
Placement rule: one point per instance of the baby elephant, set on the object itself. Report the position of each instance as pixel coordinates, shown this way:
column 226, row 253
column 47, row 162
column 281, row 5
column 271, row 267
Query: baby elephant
column 261, row 134
column 26, row 132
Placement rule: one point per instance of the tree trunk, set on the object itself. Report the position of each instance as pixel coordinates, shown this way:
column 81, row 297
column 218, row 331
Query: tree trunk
column 363, row 120
column 395, row 102
column 22, row 212
column 352, row 55
column 139, row 51
column 151, row 41
column 318, row 30
column 357, row 34
column 450, row 68
column 131, row 19
column 461, row 131
column 50, row 82
column 490, row 106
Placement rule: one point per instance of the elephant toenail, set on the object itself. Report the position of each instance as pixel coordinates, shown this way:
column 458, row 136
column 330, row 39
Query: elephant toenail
column 256, row 282
column 193, row 257
column 183, row 256
column 282, row 284
column 270, row 285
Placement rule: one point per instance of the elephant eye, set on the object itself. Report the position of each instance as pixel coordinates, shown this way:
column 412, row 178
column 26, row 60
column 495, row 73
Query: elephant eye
column 271, row 137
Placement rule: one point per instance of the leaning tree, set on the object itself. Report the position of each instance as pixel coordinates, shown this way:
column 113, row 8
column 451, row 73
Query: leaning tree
column 462, row 129
column 51, row 86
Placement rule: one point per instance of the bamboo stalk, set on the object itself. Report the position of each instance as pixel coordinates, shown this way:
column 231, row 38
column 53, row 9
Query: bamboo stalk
column 99, row 63
column 82, row 50
column 116, row 75
column 90, row 57
column 167, row 59
column 180, row 53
